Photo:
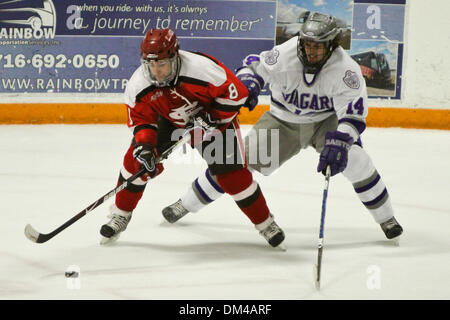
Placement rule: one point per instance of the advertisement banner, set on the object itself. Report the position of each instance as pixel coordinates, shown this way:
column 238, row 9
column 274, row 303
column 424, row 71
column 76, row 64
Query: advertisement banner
column 88, row 46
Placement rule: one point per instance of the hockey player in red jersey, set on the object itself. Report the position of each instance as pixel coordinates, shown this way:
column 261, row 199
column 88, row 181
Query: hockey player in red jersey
column 175, row 89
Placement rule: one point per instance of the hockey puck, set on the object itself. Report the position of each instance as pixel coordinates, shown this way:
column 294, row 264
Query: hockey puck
column 71, row 274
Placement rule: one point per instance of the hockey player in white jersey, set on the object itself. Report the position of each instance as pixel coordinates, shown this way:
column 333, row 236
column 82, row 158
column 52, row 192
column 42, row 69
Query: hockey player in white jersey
column 318, row 99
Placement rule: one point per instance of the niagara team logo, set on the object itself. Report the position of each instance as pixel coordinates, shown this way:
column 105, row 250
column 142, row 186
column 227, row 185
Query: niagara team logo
column 351, row 79
column 27, row 19
column 271, row 57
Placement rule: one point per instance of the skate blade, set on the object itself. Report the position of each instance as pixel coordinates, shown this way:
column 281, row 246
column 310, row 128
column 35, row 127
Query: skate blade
column 109, row 241
column 395, row 242
column 281, row 247
column 165, row 223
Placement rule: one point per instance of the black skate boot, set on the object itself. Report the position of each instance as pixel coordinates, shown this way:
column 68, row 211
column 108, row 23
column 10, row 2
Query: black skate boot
column 271, row 232
column 174, row 212
column 118, row 223
column 391, row 228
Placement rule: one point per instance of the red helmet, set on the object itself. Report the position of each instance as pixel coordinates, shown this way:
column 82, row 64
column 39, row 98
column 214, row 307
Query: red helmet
column 159, row 44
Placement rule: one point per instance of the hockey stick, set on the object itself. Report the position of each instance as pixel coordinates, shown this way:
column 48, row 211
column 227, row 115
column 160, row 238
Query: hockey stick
column 318, row 266
column 37, row 237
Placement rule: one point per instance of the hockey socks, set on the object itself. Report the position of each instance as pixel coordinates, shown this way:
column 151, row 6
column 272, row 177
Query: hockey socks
column 239, row 184
column 247, row 194
column 204, row 190
column 368, row 185
column 373, row 194
column 128, row 198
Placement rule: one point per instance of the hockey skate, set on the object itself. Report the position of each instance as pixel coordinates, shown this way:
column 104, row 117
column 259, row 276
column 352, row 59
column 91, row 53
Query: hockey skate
column 391, row 228
column 118, row 223
column 174, row 212
column 272, row 233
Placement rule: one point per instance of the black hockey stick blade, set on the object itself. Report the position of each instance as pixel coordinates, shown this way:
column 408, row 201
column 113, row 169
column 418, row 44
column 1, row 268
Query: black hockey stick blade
column 33, row 235
column 37, row 237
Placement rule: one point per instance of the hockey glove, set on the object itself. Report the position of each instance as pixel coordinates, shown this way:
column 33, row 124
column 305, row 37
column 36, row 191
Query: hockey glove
column 145, row 154
column 201, row 127
column 253, row 85
column 335, row 152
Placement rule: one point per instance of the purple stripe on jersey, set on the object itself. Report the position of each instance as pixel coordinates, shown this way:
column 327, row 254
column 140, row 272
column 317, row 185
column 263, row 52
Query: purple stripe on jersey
column 202, row 193
column 359, row 125
column 369, row 185
column 376, row 200
column 213, row 183
column 309, row 84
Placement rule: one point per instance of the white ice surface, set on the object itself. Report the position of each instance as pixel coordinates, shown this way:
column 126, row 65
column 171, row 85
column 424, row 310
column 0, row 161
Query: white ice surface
column 49, row 173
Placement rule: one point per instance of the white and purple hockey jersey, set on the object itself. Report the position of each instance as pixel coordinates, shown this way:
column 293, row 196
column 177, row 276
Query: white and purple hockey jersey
column 298, row 97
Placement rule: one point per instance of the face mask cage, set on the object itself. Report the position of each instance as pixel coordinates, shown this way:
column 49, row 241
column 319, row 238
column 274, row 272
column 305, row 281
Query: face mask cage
column 313, row 67
column 151, row 78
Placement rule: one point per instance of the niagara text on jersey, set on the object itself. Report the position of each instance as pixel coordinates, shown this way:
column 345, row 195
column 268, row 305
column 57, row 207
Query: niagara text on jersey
column 203, row 85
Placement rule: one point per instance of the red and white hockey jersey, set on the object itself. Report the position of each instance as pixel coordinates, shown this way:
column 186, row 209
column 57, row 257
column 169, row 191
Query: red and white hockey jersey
column 203, row 85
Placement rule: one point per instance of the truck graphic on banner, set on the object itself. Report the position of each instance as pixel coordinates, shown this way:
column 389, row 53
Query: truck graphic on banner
column 375, row 69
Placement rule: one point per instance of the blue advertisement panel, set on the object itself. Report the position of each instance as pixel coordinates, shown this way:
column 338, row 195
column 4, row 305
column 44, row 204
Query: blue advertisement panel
column 377, row 45
column 90, row 46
